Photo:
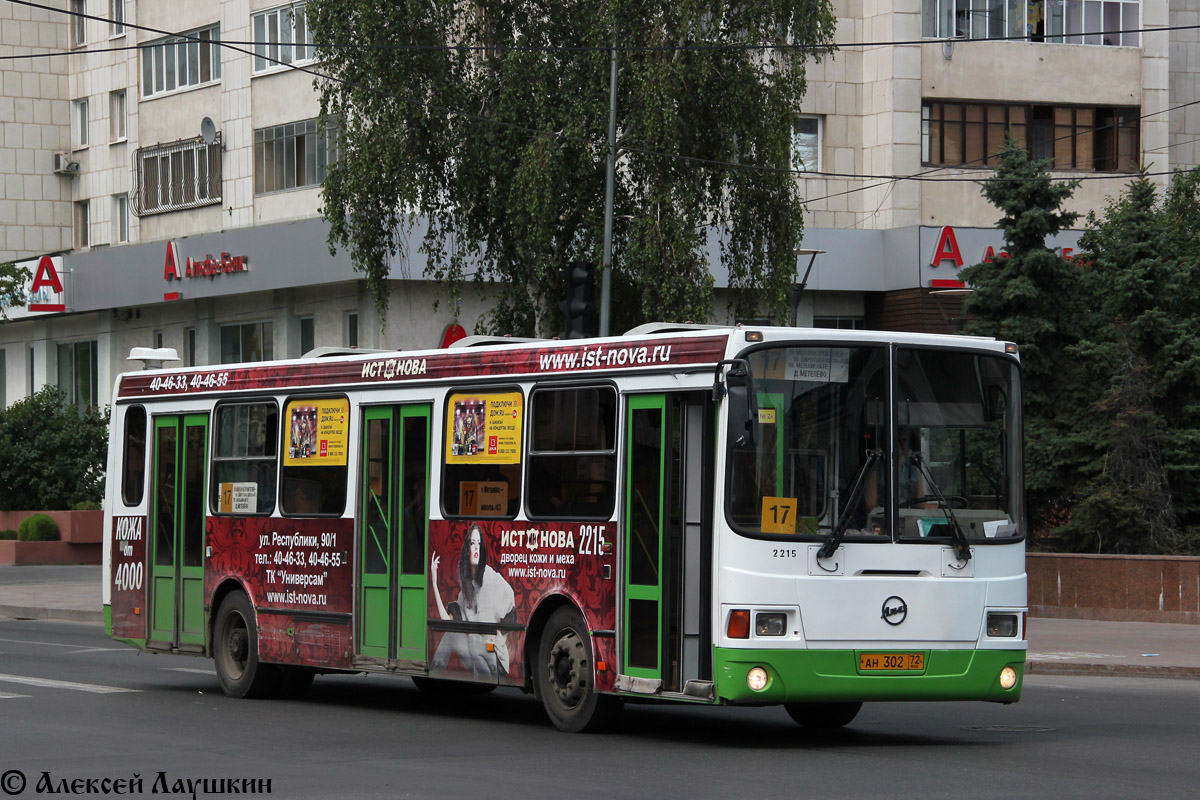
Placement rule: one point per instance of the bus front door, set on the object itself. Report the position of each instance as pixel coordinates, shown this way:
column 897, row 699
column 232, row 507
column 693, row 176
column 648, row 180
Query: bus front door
column 177, row 556
column 666, row 539
column 393, row 535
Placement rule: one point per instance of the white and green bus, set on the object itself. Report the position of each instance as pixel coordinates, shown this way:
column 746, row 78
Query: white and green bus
column 753, row 516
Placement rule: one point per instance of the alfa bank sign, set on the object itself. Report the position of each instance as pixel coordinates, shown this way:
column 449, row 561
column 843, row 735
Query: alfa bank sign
column 953, row 249
column 177, row 269
column 44, row 293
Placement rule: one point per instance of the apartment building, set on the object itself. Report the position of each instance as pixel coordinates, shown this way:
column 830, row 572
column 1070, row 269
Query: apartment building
column 162, row 182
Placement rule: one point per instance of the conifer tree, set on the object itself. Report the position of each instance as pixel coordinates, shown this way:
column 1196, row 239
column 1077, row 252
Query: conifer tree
column 1033, row 298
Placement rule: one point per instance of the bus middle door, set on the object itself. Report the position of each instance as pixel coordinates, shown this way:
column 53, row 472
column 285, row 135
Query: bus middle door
column 393, row 535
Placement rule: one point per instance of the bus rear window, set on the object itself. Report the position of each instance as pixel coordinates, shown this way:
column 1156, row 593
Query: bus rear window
column 573, row 454
column 245, row 458
column 315, row 466
column 482, row 473
column 133, row 467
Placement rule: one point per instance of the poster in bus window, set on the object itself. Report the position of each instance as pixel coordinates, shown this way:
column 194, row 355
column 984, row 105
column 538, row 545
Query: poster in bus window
column 484, row 428
column 318, row 431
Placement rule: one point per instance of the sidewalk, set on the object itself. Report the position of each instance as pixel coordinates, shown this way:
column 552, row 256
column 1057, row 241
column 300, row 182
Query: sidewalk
column 1056, row 646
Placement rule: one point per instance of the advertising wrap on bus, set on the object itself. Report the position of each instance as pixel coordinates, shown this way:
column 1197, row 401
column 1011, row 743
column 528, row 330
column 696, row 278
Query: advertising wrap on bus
column 492, row 576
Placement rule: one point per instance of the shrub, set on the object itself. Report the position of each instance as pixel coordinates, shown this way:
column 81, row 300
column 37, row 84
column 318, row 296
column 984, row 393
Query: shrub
column 86, row 505
column 7, row 535
column 38, row 528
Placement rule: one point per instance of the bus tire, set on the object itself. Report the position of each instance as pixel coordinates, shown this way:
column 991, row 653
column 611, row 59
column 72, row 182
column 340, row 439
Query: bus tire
column 823, row 716
column 235, row 651
column 565, row 673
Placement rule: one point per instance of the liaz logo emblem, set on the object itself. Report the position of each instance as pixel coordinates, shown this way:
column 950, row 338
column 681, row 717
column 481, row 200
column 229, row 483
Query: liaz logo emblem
column 895, row 610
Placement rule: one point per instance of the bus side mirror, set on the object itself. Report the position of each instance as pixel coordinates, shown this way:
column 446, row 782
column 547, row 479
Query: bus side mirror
column 738, row 391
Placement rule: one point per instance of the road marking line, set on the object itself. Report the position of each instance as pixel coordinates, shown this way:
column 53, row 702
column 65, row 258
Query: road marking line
column 192, row 669
column 102, row 650
column 50, row 684
column 9, row 696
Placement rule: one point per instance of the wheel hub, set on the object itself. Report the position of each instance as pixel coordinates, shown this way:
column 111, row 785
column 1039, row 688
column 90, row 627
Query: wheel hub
column 565, row 671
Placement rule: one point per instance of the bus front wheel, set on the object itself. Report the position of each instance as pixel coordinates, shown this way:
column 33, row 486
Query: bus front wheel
column 235, row 651
column 565, row 674
column 823, row 715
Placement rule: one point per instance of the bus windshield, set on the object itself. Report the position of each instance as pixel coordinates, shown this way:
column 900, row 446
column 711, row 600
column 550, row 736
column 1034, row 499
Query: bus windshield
column 834, row 445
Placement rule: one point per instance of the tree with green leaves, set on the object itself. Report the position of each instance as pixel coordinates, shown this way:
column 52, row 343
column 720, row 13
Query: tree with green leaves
column 487, row 121
column 53, row 455
column 1140, row 435
column 1034, row 298
column 12, row 285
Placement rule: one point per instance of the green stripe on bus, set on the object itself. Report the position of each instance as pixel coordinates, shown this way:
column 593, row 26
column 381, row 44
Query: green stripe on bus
column 833, row 675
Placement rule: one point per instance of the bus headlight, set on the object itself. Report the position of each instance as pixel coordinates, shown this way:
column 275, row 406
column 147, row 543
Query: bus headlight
column 770, row 624
column 1001, row 625
column 757, row 679
column 1008, row 678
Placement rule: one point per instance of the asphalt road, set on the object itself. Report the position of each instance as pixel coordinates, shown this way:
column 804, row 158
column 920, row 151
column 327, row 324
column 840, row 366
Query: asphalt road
column 75, row 705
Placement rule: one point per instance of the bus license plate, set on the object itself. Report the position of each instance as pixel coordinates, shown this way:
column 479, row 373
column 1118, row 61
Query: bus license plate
column 909, row 662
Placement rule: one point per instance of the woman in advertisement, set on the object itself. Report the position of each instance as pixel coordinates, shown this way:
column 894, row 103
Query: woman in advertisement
column 484, row 596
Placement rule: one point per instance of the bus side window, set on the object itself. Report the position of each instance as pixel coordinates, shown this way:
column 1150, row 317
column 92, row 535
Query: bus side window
column 316, row 433
column 246, row 458
column 482, row 454
column 133, row 464
column 573, row 453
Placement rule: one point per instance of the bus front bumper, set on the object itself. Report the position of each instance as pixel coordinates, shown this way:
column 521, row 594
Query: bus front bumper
column 836, row 676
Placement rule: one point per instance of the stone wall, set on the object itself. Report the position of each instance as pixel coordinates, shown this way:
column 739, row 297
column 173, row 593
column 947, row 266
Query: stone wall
column 1122, row 588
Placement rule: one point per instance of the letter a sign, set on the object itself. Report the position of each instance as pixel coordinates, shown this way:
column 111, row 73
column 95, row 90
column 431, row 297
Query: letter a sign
column 947, row 249
column 47, row 288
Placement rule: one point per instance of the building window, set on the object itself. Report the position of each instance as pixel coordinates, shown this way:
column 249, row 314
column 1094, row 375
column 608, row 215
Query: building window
column 189, row 347
column 120, row 218
column 77, row 374
column 282, row 37
column 81, row 224
column 307, row 334
column 180, row 62
column 1096, row 139
column 573, row 453
column 352, row 329
column 116, row 16
column 81, row 123
column 245, row 461
column 806, row 143
column 291, row 156
column 248, row 342
column 1100, row 22
column 840, row 323
column 78, row 23
column 183, row 174
column 157, row 337
column 116, row 116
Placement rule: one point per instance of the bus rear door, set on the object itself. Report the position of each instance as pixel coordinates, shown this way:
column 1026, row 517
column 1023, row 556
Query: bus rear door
column 177, row 554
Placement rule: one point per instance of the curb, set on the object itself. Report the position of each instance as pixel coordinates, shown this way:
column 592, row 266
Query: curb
column 68, row 614
column 1111, row 670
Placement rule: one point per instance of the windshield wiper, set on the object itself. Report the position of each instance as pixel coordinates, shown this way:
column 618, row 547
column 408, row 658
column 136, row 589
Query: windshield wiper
column 843, row 521
column 961, row 547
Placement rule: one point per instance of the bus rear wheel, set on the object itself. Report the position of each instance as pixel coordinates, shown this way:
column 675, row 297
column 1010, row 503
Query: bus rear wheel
column 235, row 651
column 565, row 677
column 823, row 715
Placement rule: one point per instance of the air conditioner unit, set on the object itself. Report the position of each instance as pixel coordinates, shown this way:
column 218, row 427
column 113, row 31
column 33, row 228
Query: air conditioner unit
column 63, row 165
